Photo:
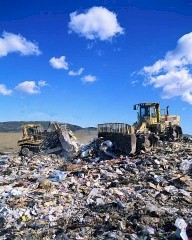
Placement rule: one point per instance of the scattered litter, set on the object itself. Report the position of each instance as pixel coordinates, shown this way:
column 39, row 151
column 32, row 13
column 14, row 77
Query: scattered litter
column 95, row 195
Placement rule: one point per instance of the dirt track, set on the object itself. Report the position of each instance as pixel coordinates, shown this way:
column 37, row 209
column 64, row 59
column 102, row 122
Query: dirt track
column 8, row 142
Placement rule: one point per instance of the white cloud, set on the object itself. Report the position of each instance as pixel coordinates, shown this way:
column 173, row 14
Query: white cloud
column 4, row 91
column 134, row 82
column 79, row 72
column 31, row 87
column 16, row 43
column 42, row 83
column 59, row 63
column 173, row 74
column 97, row 22
column 88, row 78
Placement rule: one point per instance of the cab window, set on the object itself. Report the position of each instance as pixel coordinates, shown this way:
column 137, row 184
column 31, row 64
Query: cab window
column 144, row 112
column 153, row 112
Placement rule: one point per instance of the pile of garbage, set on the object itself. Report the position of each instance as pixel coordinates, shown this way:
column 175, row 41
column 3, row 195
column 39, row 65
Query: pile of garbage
column 98, row 149
column 139, row 197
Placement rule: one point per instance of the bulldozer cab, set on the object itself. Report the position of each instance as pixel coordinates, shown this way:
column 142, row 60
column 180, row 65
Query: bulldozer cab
column 31, row 131
column 148, row 113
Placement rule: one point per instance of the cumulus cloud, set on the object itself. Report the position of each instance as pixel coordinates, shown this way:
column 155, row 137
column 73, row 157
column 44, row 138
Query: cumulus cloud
column 173, row 73
column 10, row 43
column 59, row 63
column 88, row 78
column 4, row 91
column 30, row 87
column 79, row 72
column 95, row 23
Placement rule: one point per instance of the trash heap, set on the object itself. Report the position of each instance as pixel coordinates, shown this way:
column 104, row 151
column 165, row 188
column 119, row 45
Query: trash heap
column 140, row 197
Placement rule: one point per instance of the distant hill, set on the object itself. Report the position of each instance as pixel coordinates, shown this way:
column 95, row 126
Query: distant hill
column 187, row 135
column 15, row 126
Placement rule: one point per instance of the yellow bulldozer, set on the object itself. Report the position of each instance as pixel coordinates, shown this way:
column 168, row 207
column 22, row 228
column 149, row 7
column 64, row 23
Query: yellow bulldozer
column 55, row 139
column 153, row 123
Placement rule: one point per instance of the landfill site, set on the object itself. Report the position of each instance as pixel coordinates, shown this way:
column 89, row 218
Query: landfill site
column 129, row 182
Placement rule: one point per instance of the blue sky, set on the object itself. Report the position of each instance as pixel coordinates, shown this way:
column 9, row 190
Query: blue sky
column 88, row 62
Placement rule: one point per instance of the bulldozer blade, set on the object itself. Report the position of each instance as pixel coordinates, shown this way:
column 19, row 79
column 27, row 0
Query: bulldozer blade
column 125, row 143
column 65, row 141
column 53, row 150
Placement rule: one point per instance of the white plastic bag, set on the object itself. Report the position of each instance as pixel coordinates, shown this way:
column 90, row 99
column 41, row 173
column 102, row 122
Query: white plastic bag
column 182, row 225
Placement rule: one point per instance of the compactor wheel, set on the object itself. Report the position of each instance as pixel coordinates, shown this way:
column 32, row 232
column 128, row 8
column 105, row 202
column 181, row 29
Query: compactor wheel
column 175, row 133
column 25, row 152
column 147, row 145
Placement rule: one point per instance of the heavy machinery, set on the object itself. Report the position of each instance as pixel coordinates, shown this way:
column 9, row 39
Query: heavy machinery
column 55, row 139
column 152, row 124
